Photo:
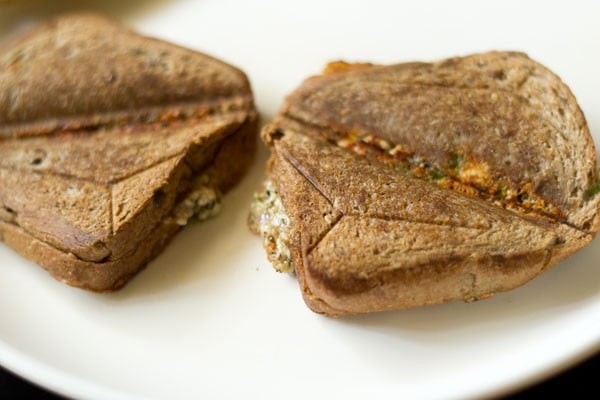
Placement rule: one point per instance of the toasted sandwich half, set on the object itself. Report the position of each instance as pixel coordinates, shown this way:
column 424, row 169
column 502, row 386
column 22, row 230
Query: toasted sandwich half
column 421, row 183
column 110, row 142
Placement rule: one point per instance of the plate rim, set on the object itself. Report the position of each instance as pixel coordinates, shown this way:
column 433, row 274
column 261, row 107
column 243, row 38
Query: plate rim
column 63, row 383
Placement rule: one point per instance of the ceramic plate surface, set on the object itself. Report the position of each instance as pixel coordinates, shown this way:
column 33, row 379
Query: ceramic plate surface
column 209, row 318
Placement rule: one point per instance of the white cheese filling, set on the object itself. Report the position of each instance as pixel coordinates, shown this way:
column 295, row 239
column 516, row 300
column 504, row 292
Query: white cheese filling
column 204, row 202
column 273, row 224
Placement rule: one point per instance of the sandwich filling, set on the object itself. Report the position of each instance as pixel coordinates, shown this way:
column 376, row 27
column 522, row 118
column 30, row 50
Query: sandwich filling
column 462, row 174
column 272, row 222
column 203, row 201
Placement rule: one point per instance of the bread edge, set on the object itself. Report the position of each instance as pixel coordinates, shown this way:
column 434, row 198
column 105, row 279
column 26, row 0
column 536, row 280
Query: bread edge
column 113, row 275
column 474, row 278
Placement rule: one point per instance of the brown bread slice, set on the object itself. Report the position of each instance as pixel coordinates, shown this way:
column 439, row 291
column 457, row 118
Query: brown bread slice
column 374, row 229
column 103, row 135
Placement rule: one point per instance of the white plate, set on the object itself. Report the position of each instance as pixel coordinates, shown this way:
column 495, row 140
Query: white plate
column 209, row 318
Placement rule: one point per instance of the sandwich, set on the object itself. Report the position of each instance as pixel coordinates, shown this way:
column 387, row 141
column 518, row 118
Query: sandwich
column 110, row 142
column 421, row 183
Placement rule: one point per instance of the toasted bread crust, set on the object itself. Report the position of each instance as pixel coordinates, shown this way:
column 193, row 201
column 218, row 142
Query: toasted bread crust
column 396, row 241
column 110, row 275
column 102, row 134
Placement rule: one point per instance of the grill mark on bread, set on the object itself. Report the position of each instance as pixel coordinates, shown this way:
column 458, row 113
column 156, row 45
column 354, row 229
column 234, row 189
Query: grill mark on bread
column 141, row 119
column 309, row 249
column 227, row 121
column 48, row 173
column 141, row 170
column 413, row 252
column 417, row 221
column 297, row 167
column 112, row 209
column 88, row 180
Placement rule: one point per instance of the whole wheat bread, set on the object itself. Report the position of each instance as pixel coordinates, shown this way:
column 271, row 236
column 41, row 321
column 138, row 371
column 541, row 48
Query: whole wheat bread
column 102, row 134
column 422, row 183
